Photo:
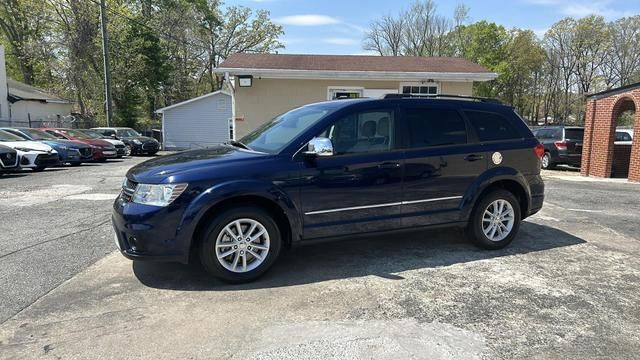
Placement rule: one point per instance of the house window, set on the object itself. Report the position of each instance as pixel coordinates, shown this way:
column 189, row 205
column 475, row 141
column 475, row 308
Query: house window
column 346, row 92
column 419, row 89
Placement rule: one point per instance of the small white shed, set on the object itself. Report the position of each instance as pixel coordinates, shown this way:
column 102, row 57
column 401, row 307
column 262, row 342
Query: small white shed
column 198, row 123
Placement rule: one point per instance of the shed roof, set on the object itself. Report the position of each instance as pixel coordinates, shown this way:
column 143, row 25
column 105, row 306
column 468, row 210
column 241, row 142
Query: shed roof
column 21, row 91
column 160, row 111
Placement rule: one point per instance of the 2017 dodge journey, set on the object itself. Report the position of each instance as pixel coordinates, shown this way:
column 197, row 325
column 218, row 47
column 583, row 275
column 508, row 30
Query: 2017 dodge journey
column 333, row 170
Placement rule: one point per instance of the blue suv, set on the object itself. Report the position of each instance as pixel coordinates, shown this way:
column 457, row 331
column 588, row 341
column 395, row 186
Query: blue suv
column 333, row 170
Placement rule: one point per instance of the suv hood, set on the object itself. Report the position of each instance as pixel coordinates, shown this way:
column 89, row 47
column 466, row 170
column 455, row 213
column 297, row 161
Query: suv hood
column 97, row 142
column 27, row 144
column 158, row 169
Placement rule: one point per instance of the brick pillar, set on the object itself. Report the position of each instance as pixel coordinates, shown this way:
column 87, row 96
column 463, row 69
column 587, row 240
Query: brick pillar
column 603, row 127
column 588, row 137
column 634, row 163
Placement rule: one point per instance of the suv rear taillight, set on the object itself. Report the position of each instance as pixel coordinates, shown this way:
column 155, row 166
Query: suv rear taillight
column 561, row 145
column 539, row 150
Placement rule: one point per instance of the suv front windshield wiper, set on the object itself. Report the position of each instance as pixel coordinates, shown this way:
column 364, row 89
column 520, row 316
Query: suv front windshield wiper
column 238, row 144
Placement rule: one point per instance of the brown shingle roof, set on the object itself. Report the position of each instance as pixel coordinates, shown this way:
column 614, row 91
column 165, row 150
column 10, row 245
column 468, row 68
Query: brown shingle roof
column 352, row 63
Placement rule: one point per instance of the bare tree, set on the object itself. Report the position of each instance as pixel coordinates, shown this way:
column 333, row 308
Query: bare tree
column 560, row 39
column 623, row 54
column 386, row 36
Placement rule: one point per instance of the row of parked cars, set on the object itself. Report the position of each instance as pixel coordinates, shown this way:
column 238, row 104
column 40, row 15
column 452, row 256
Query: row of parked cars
column 41, row 148
column 563, row 144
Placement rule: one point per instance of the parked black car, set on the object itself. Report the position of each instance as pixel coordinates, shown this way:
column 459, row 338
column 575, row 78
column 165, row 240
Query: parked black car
column 329, row 170
column 562, row 145
column 133, row 140
column 8, row 160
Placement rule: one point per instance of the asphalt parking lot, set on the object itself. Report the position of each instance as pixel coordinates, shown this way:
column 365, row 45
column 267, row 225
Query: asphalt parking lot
column 568, row 287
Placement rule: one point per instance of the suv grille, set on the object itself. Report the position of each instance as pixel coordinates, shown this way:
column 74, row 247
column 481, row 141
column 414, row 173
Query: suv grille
column 86, row 152
column 9, row 159
column 47, row 159
column 150, row 145
column 128, row 188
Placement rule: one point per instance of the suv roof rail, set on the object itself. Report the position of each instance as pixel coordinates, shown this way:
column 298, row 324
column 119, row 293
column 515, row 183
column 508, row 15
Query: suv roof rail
column 442, row 96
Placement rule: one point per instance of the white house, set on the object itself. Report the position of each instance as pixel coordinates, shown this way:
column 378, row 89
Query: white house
column 4, row 100
column 201, row 122
column 25, row 105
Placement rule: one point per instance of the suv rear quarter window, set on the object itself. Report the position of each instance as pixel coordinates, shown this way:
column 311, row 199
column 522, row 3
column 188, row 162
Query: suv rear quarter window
column 574, row 134
column 490, row 126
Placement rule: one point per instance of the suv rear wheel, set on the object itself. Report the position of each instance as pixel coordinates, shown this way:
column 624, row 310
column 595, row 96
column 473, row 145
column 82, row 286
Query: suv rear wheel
column 240, row 245
column 546, row 162
column 495, row 220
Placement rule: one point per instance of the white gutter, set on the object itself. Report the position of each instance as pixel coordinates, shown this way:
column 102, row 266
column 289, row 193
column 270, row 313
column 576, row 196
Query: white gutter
column 357, row 75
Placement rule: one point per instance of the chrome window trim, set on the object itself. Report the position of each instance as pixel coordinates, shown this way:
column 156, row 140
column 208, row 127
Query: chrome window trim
column 382, row 205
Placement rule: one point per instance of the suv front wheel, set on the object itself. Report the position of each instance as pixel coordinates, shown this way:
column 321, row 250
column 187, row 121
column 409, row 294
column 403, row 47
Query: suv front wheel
column 240, row 245
column 495, row 220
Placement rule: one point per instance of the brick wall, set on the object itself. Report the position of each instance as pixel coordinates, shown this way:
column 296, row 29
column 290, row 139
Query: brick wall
column 600, row 125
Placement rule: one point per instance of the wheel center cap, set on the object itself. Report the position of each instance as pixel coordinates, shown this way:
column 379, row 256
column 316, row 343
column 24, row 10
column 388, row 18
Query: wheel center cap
column 242, row 245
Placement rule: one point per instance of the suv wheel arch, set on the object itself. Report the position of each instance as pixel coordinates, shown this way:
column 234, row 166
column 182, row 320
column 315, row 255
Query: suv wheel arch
column 511, row 186
column 269, row 206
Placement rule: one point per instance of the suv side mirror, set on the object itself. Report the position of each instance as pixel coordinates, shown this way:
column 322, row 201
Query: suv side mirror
column 319, row 146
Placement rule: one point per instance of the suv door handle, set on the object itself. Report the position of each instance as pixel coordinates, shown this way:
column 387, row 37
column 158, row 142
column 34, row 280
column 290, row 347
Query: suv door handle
column 473, row 157
column 389, row 165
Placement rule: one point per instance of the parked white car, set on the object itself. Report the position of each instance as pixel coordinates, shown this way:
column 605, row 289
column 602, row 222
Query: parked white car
column 624, row 137
column 33, row 155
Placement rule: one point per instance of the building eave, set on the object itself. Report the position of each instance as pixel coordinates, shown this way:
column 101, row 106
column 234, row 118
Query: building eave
column 358, row 75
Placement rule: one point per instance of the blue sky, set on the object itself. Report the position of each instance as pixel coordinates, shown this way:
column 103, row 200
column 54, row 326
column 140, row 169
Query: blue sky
column 337, row 26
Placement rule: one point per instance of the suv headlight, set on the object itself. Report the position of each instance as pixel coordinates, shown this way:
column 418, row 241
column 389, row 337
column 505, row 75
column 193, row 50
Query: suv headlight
column 157, row 195
column 137, row 142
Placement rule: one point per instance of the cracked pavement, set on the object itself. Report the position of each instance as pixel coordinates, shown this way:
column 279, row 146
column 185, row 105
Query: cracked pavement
column 568, row 287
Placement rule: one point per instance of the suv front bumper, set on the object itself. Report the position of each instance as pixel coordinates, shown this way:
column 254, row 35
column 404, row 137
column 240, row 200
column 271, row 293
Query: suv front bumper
column 144, row 232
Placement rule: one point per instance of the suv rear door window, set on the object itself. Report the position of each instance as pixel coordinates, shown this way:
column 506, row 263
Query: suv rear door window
column 491, row 126
column 434, row 127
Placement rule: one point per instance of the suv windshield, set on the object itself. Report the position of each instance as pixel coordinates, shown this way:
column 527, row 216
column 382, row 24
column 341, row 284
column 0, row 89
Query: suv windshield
column 76, row 134
column 127, row 133
column 5, row 136
column 39, row 134
column 275, row 135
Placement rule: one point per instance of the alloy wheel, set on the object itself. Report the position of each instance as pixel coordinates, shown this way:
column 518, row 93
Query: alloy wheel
column 498, row 220
column 242, row 245
column 545, row 161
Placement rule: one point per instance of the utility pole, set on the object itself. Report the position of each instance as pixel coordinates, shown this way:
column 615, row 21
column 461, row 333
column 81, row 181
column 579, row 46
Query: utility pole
column 105, row 56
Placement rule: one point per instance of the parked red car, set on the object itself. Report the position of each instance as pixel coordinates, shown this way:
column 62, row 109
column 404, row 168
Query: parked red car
column 102, row 150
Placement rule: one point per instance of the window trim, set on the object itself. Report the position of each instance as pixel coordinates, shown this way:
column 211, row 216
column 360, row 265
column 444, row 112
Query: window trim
column 425, row 83
column 345, row 88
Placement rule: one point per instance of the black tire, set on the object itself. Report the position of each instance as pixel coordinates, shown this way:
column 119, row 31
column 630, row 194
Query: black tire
column 102, row 160
column 207, row 253
column 152, row 153
column 546, row 159
column 474, row 229
column 76, row 163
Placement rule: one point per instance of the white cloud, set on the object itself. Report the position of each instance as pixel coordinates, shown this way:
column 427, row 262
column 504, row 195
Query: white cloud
column 307, row 20
column 579, row 8
column 340, row 41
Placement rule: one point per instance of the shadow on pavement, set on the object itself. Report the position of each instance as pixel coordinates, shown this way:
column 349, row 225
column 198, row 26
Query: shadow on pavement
column 381, row 256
